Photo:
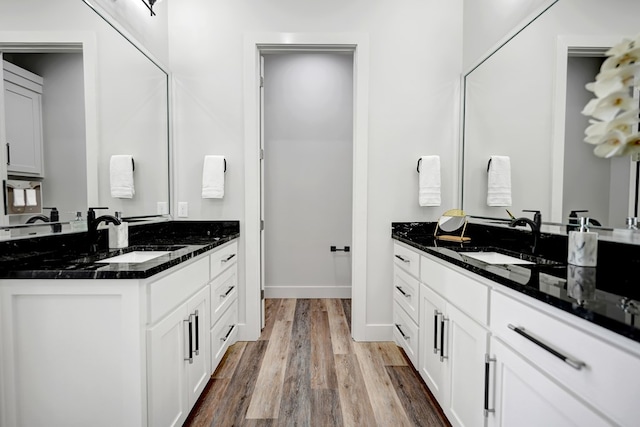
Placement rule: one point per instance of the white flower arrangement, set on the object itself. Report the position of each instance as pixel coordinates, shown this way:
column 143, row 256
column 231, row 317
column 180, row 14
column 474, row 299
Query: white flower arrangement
column 613, row 129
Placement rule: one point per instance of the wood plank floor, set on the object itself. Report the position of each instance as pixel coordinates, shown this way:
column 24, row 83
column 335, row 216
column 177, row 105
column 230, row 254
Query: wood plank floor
column 305, row 370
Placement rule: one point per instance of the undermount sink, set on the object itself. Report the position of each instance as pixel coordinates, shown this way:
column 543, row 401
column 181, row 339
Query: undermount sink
column 496, row 258
column 134, row 257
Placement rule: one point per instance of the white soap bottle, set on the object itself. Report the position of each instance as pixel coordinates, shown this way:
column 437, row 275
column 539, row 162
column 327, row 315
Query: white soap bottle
column 583, row 246
column 78, row 224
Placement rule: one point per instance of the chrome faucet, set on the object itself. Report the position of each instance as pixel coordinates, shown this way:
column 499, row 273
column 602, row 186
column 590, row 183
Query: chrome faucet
column 535, row 225
column 92, row 227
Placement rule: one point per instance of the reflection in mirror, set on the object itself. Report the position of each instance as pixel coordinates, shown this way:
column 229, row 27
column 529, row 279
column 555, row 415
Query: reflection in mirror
column 102, row 95
column 512, row 107
column 451, row 226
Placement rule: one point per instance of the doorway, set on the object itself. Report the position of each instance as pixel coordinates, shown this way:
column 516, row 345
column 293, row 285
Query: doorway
column 308, row 161
column 256, row 45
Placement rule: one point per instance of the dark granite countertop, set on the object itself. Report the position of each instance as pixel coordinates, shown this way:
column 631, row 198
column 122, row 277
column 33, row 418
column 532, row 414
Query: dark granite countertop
column 65, row 257
column 607, row 295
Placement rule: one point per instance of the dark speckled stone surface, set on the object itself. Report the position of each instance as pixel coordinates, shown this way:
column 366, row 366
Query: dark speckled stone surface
column 66, row 256
column 607, row 295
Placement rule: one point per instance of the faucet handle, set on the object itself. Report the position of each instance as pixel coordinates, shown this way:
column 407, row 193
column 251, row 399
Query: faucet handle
column 94, row 208
column 537, row 217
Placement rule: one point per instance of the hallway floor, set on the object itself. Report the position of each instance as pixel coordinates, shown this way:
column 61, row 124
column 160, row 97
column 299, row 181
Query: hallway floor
column 305, row 370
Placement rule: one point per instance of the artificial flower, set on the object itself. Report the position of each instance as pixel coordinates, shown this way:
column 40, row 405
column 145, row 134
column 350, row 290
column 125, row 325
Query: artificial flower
column 623, row 123
column 632, row 145
column 624, row 46
column 607, row 107
column 614, row 80
column 612, row 144
column 627, row 58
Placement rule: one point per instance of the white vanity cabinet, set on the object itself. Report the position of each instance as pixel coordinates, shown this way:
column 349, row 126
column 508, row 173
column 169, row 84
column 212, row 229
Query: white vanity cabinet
column 224, row 301
column 23, row 120
column 406, row 288
column 454, row 339
column 576, row 372
column 108, row 352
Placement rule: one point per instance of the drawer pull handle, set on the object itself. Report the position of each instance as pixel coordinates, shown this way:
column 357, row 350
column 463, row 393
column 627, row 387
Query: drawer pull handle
column 227, row 259
column 405, row 337
column 226, row 337
column 403, row 259
column 226, row 294
column 436, row 313
column 406, row 295
column 442, row 333
column 576, row 364
column 189, row 324
column 487, row 361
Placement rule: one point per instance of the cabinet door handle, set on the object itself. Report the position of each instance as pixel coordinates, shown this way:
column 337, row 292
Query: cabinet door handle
column 399, row 328
column 197, row 333
column 226, row 294
column 190, row 333
column 226, row 337
column 576, row 364
column 403, row 259
column 442, row 334
column 8, row 154
column 406, row 295
column 228, row 258
column 436, row 314
column 487, row 361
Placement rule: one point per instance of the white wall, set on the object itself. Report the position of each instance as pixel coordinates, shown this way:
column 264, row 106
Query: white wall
column 308, row 132
column 415, row 61
column 488, row 22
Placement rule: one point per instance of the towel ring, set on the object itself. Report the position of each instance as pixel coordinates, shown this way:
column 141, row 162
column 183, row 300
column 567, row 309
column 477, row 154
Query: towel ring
column 418, row 167
column 225, row 165
column 489, row 165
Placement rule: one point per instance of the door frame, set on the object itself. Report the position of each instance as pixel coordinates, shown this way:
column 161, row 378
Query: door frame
column 254, row 46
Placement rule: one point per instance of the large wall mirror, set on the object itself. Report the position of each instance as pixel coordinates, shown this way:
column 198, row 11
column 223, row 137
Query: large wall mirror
column 103, row 95
column 524, row 101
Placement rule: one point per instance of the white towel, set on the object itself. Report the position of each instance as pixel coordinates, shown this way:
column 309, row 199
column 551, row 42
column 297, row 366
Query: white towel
column 499, row 181
column 429, row 193
column 121, row 176
column 32, row 199
column 213, row 177
column 18, row 197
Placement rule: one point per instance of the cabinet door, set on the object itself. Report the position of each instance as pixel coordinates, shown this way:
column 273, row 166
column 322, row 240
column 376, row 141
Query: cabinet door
column 168, row 403
column 198, row 368
column 465, row 350
column 525, row 397
column 23, row 129
column 432, row 368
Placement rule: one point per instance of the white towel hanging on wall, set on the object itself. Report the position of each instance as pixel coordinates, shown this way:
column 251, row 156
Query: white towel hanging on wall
column 121, row 176
column 429, row 185
column 213, row 177
column 499, row 181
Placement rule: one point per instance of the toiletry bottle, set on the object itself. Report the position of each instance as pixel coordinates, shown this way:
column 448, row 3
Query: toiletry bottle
column 78, row 224
column 583, row 246
column 119, row 234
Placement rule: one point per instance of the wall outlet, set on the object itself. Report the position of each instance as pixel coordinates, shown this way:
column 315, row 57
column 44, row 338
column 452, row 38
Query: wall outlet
column 162, row 208
column 183, row 209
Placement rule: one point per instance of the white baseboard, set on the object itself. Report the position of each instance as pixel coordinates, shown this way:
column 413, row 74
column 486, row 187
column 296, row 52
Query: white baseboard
column 307, row 291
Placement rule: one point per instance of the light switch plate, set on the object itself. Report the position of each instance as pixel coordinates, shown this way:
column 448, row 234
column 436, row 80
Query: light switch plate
column 183, row 209
column 162, row 208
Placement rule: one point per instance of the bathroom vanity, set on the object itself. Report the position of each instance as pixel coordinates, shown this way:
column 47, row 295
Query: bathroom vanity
column 118, row 338
column 502, row 338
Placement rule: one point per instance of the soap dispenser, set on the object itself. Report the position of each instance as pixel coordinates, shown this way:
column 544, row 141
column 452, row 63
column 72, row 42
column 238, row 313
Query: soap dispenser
column 119, row 234
column 78, row 224
column 583, row 245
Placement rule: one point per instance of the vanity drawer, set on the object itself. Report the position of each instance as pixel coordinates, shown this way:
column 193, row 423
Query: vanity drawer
column 406, row 259
column 467, row 294
column 405, row 333
column 224, row 292
column 608, row 380
column 405, row 292
column 223, row 334
column 223, row 258
column 170, row 291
